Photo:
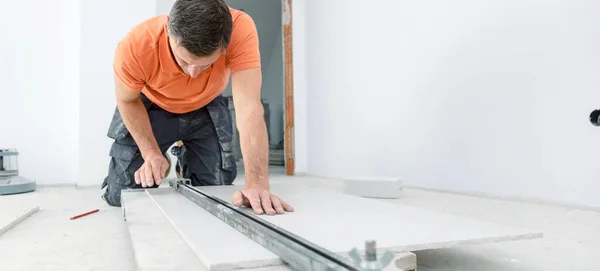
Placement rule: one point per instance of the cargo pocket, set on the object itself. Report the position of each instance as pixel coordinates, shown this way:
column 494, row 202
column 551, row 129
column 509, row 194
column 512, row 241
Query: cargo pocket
column 117, row 129
column 122, row 165
column 221, row 117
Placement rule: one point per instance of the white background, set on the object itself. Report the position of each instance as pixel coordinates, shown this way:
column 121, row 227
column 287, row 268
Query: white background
column 469, row 96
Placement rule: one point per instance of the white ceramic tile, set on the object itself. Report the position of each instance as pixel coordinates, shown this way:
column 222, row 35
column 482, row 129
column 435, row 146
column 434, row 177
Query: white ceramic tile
column 218, row 245
column 333, row 220
column 156, row 244
column 340, row 222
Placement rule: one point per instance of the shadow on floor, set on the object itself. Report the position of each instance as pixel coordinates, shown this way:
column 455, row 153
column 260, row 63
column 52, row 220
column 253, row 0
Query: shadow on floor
column 465, row 259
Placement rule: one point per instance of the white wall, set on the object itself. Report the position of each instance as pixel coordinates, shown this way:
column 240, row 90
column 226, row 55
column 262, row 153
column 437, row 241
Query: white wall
column 299, row 55
column 470, row 96
column 99, row 38
column 57, row 76
column 39, row 94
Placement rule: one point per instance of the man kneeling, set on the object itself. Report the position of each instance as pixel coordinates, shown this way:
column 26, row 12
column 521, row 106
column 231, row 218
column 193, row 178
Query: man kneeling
column 170, row 71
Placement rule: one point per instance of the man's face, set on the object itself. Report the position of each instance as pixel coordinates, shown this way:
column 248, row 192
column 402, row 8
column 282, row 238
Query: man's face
column 189, row 63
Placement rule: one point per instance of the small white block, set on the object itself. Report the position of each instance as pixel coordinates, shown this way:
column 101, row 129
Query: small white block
column 406, row 261
column 374, row 187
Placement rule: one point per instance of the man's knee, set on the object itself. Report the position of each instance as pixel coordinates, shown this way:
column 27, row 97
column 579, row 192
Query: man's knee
column 114, row 190
column 125, row 160
column 112, row 194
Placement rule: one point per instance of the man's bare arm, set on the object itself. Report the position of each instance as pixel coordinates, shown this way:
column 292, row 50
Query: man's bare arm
column 136, row 119
column 250, row 120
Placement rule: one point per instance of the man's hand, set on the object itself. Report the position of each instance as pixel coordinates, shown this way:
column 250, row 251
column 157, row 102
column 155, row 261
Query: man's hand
column 246, row 86
column 135, row 117
column 261, row 200
column 153, row 170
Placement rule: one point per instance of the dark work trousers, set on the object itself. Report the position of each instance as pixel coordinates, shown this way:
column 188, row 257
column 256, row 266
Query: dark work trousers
column 206, row 155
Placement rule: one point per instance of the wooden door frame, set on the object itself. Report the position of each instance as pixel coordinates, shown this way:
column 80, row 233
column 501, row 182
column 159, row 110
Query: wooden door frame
column 288, row 139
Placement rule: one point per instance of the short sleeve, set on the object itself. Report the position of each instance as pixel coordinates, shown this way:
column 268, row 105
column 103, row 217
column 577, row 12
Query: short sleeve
column 126, row 66
column 243, row 51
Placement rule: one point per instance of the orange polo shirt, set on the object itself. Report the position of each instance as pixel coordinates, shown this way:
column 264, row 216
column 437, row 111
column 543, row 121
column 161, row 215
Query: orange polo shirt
column 144, row 63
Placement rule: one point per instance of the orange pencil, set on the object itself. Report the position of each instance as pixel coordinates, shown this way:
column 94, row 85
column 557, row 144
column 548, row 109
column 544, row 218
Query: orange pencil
column 84, row 214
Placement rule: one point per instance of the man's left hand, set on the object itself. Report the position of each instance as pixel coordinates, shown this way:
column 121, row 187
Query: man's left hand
column 261, row 200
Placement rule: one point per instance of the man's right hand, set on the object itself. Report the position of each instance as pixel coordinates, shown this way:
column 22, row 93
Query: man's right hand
column 134, row 115
column 153, row 170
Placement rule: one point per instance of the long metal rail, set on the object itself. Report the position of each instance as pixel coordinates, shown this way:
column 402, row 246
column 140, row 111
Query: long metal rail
column 299, row 253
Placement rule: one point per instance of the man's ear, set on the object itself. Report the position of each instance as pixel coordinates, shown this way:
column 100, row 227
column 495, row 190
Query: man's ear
column 168, row 31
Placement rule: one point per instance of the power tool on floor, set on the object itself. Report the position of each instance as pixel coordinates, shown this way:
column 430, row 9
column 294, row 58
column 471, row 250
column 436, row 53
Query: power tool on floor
column 10, row 181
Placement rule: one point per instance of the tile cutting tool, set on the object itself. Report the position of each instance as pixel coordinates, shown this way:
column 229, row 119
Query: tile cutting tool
column 297, row 252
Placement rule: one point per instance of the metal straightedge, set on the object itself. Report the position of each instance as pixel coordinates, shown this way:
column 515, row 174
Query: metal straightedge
column 297, row 252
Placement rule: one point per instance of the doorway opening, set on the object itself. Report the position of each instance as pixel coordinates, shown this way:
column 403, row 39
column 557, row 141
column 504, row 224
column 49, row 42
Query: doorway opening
column 273, row 22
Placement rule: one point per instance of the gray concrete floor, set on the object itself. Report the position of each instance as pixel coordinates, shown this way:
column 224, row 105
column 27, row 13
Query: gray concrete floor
column 48, row 240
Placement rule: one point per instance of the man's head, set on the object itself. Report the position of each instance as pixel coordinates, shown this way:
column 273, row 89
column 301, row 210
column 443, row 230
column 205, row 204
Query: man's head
column 199, row 32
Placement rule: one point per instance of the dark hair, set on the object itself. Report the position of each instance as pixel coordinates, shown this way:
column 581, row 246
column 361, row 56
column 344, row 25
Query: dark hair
column 201, row 26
